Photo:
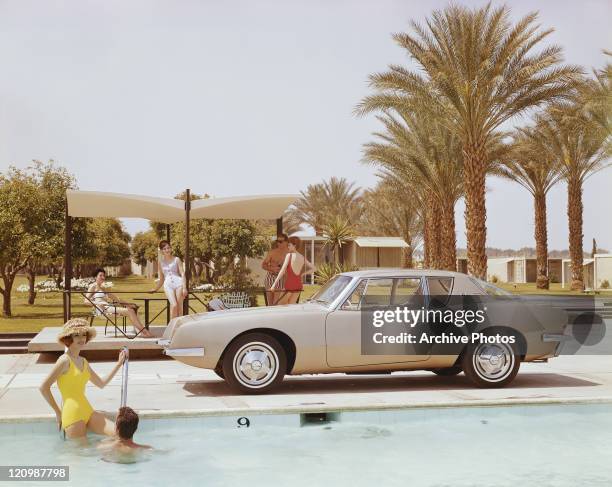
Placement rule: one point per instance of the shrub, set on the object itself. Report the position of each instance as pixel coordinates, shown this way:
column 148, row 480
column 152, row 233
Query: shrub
column 494, row 279
column 50, row 286
column 605, row 284
column 237, row 278
column 207, row 287
column 328, row 270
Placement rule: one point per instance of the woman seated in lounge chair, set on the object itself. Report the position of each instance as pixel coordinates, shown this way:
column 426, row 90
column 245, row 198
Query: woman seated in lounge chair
column 110, row 306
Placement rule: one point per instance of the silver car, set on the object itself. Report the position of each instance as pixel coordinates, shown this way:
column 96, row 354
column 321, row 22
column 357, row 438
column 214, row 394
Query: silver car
column 252, row 349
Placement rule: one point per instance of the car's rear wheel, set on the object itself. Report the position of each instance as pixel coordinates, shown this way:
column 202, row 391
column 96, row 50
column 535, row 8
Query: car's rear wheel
column 447, row 371
column 491, row 365
column 254, row 363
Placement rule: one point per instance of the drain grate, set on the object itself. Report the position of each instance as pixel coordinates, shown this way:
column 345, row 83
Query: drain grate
column 307, row 419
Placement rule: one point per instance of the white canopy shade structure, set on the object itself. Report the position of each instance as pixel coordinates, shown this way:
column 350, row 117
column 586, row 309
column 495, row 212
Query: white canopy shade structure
column 94, row 204
column 169, row 210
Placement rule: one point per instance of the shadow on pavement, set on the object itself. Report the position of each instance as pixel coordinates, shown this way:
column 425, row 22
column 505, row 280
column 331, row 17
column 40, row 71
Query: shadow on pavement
column 407, row 383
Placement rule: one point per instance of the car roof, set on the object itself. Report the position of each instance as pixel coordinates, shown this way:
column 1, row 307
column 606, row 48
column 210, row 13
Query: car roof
column 402, row 272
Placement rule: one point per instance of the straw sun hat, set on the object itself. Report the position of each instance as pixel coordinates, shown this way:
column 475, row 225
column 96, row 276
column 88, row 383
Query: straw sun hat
column 76, row 326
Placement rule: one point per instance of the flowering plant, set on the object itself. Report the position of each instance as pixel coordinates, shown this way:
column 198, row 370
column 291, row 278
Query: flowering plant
column 50, row 286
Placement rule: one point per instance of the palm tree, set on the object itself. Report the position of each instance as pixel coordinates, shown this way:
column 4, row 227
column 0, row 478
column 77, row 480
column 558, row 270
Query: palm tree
column 324, row 201
column 578, row 144
column 388, row 211
column 537, row 172
column 391, row 158
column 433, row 155
column 597, row 94
column 337, row 232
column 476, row 70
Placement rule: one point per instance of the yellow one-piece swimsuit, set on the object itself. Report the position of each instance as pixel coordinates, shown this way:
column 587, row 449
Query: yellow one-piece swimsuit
column 72, row 387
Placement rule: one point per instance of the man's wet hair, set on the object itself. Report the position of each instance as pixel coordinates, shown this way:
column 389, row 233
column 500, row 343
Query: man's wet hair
column 126, row 423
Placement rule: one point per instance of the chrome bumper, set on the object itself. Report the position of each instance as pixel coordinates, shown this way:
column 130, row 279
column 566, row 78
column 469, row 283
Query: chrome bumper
column 555, row 337
column 184, row 352
column 558, row 338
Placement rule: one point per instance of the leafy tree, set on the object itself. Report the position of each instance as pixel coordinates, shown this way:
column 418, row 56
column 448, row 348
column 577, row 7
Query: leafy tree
column 47, row 251
column 144, row 247
column 111, row 242
column 20, row 219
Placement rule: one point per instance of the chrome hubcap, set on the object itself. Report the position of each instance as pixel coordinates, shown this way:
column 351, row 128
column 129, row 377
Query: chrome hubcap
column 493, row 362
column 255, row 364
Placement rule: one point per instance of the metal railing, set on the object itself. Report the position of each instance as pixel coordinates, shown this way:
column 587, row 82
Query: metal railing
column 194, row 301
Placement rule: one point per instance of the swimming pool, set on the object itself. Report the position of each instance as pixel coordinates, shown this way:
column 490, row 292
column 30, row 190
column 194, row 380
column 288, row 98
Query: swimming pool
column 560, row 445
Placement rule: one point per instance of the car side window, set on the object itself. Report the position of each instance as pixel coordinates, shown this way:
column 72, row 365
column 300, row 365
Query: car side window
column 439, row 290
column 405, row 289
column 353, row 302
column 377, row 293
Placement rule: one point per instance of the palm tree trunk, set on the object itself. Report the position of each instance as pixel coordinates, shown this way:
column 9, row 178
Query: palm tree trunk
column 448, row 238
column 432, row 229
column 474, row 178
column 407, row 262
column 541, row 239
column 574, row 216
column 426, row 239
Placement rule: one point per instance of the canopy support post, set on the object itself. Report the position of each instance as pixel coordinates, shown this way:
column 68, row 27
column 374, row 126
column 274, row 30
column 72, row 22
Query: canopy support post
column 187, row 249
column 67, row 265
column 279, row 226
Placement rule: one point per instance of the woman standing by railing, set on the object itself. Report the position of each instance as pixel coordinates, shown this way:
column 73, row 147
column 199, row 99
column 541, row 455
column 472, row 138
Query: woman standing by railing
column 172, row 278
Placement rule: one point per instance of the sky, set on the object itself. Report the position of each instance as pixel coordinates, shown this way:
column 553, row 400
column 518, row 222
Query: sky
column 241, row 97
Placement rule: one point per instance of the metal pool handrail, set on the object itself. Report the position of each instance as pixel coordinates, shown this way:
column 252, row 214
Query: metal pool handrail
column 124, row 377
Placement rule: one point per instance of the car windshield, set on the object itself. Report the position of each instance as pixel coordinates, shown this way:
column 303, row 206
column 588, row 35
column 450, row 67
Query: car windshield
column 490, row 289
column 331, row 290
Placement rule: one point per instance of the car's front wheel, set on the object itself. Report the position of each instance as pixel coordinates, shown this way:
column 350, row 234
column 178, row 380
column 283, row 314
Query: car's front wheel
column 491, row 365
column 254, row 363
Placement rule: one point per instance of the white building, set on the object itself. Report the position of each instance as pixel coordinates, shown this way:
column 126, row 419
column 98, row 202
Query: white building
column 521, row 270
column 597, row 272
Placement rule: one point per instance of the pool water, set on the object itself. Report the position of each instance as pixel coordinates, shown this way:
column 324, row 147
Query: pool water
column 558, row 445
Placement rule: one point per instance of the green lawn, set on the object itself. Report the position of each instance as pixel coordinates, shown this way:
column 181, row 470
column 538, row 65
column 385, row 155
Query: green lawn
column 48, row 311
column 530, row 288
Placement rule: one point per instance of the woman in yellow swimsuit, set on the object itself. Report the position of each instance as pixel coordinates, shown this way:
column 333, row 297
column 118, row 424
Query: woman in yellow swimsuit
column 72, row 372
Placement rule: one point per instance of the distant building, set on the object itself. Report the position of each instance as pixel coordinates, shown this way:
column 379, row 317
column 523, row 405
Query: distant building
column 602, row 276
column 597, row 272
column 361, row 252
column 521, row 270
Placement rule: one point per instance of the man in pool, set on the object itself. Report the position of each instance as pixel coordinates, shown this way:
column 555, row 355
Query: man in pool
column 126, row 425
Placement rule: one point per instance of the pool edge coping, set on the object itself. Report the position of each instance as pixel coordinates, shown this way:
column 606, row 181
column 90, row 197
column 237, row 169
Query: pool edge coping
column 313, row 408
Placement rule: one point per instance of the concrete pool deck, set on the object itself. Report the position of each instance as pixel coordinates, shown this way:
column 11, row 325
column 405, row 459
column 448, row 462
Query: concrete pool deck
column 165, row 387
